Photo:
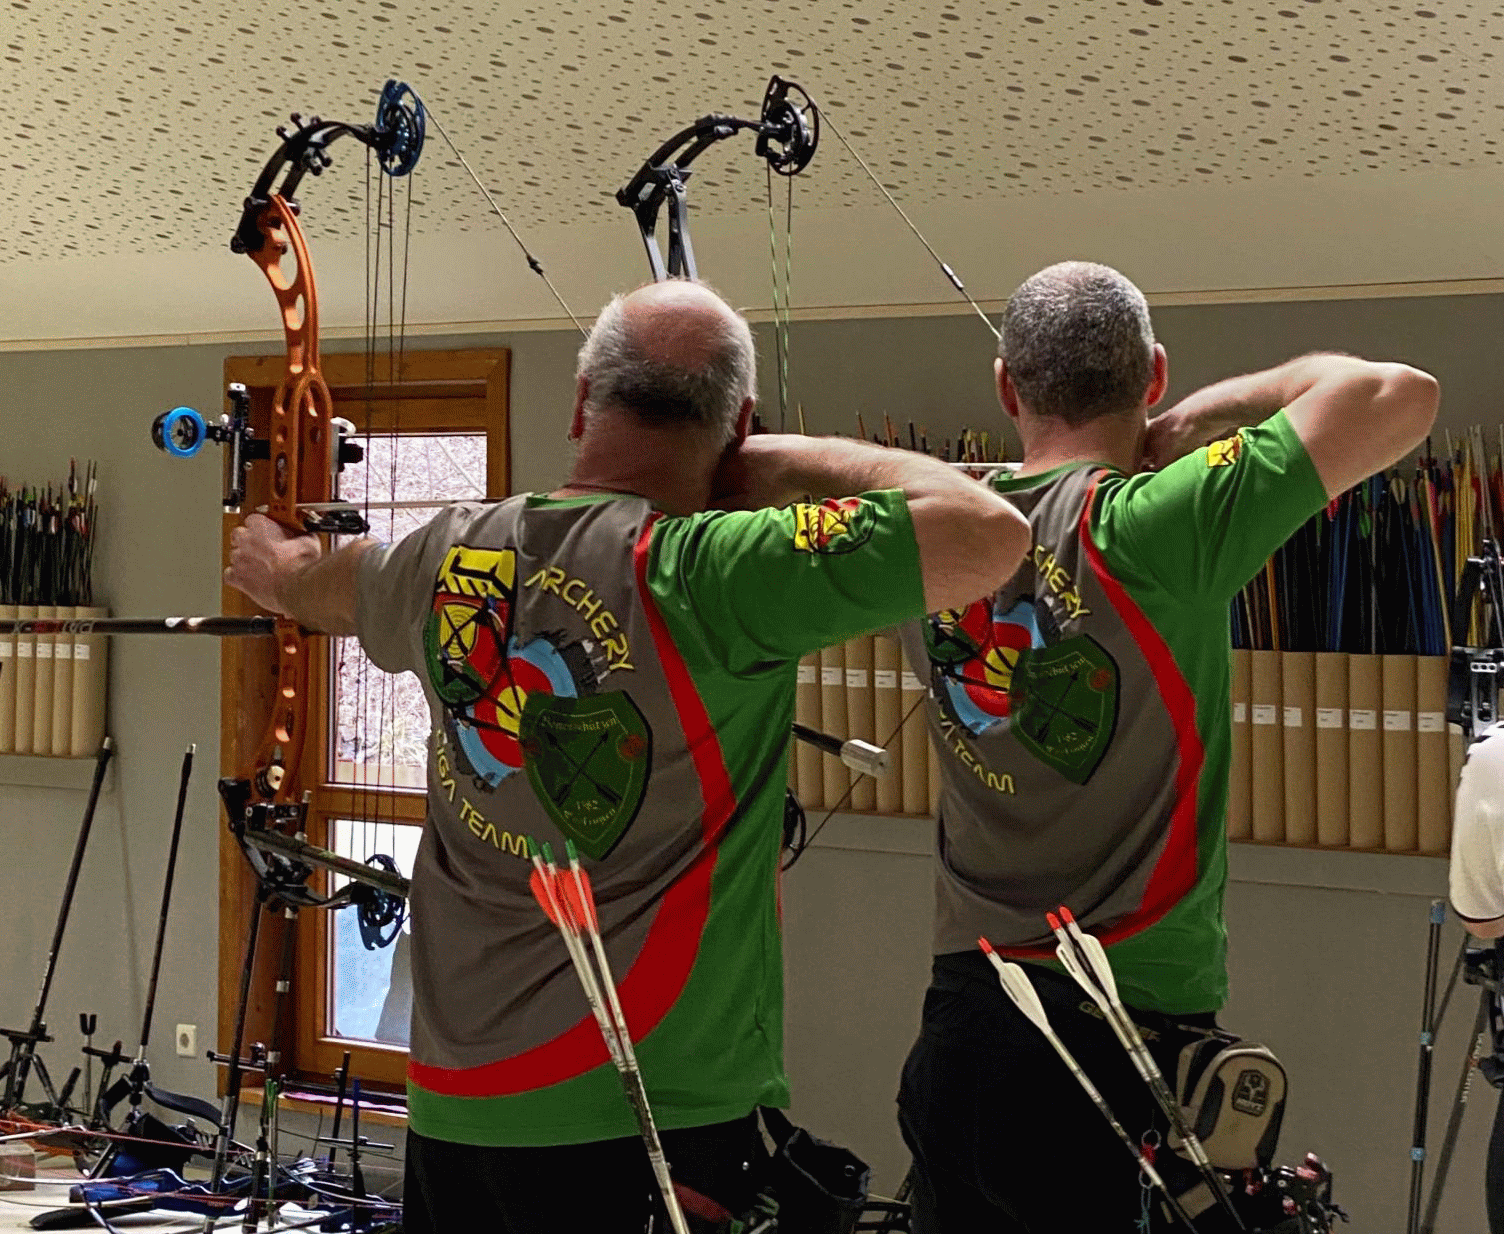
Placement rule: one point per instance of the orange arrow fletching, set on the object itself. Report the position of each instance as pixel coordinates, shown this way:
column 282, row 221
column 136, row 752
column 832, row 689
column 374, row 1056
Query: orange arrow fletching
column 541, row 893
column 581, row 910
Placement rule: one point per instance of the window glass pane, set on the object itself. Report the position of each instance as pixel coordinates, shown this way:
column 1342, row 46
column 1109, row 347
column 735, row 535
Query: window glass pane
column 381, row 721
column 370, row 991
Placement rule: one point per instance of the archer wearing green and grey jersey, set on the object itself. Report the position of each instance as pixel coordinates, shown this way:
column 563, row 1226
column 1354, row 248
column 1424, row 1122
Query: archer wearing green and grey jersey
column 1081, row 713
column 600, row 673
column 614, row 664
column 1082, row 719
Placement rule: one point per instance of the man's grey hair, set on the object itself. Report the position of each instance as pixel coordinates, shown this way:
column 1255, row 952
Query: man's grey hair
column 659, row 392
column 1078, row 342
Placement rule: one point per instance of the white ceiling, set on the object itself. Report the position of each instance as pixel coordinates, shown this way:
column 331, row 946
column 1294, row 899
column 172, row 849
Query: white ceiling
column 136, row 128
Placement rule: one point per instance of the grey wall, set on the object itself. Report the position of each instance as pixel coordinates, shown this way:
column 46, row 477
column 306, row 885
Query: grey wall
column 1327, row 947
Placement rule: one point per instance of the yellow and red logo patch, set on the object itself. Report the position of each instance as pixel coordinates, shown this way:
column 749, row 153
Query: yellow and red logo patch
column 836, row 525
column 1224, row 453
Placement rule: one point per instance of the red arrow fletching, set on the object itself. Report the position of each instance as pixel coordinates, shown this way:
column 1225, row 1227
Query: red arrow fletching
column 541, row 893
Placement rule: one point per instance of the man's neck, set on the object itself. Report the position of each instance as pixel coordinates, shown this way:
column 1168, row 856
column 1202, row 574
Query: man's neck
column 665, row 466
column 1112, row 441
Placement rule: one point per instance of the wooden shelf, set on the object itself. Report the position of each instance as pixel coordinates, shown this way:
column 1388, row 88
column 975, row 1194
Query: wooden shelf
column 34, row 771
column 372, row 1107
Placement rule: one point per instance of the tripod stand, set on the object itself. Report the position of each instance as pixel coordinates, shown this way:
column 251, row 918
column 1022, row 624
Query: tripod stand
column 23, row 1060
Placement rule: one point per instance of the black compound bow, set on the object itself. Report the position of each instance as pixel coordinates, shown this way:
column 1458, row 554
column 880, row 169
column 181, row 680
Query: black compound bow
column 788, row 132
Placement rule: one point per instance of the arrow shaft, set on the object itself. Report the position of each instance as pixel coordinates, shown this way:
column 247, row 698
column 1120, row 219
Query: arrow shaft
column 1091, row 969
column 1015, row 985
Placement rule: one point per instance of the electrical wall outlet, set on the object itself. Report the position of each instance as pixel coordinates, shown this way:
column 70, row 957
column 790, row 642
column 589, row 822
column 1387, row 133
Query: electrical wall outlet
column 186, row 1038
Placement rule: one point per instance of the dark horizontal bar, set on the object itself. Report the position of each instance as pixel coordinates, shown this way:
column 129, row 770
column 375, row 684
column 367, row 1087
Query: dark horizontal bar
column 223, row 627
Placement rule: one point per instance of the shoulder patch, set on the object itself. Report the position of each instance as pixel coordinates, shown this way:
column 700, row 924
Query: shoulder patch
column 1225, row 453
column 834, row 526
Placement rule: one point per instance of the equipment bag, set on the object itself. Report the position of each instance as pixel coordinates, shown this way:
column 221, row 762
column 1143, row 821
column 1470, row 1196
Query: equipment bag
column 821, row 1188
column 1233, row 1093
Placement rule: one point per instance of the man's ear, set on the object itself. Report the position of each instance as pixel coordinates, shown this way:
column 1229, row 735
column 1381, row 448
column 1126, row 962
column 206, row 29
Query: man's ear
column 577, row 421
column 744, row 420
column 1161, row 379
column 1006, row 394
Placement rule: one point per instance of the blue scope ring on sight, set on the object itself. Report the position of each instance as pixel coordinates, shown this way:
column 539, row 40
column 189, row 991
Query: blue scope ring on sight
column 180, row 432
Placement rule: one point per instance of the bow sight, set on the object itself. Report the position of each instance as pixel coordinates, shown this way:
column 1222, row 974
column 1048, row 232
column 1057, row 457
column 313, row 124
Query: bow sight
column 788, row 131
column 183, row 431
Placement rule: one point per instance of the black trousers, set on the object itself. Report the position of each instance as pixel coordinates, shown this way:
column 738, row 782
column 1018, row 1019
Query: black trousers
column 606, row 1187
column 1003, row 1137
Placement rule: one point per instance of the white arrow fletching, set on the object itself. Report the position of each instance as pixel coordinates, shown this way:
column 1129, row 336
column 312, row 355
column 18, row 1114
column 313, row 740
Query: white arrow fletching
column 1066, row 953
column 1021, row 990
column 1096, row 957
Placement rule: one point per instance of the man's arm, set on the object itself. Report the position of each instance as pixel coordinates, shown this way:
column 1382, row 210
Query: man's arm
column 1484, row 929
column 1354, row 417
column 290, row 574
column 970, row 539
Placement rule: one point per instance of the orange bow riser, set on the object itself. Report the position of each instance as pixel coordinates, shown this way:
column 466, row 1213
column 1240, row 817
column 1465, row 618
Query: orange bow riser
column 304, row 445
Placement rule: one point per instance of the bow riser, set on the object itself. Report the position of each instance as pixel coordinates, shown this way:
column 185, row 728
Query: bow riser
column 302, row 412
column 302, row 442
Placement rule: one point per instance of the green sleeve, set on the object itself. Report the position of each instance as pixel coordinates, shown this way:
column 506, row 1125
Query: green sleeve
column 749, row 589
column 1205, row 525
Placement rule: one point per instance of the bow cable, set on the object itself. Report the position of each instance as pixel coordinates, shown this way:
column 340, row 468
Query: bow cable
column 533, row 263
column 945, row 269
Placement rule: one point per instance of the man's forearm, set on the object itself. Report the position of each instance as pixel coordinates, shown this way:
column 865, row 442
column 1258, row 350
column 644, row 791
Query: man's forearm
column 322, row 595
column 840, row 467
column 1252, row 398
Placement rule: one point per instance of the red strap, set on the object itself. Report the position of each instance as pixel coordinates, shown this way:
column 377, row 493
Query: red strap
column 702, row 1206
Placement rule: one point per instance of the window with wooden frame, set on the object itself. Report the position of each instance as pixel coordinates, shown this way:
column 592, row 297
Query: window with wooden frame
column 435, row 427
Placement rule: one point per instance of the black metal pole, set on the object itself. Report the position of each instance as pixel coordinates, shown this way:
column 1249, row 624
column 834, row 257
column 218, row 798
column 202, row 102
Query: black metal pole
column 172, row 865
column 282, row 1001
column 1423, row 1071
column 357, row 1175
column 235, row 1066
column 23, row 1045
column 343, row 1077
column 1459, row 1107
column 221, row 627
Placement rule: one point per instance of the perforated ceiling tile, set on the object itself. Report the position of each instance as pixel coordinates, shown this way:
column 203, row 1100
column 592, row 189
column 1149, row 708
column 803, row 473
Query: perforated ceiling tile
column 136, row 127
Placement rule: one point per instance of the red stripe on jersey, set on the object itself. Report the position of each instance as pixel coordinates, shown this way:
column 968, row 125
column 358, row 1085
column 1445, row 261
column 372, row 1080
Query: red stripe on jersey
column 1175, row 872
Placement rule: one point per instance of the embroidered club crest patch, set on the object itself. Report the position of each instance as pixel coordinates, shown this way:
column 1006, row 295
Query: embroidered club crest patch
column 834, row 526
column 1064, row 702
column 587, row 760
column 1251, row 1094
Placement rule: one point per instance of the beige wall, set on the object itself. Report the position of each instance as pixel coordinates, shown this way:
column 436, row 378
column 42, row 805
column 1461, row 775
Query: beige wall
column 1327, row 948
